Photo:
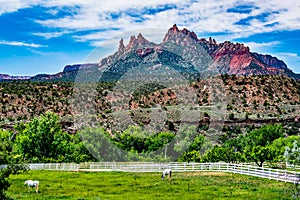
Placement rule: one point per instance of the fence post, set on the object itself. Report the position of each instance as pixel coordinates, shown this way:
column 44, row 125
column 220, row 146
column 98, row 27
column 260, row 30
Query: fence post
column 227, row 167
column 285, row 176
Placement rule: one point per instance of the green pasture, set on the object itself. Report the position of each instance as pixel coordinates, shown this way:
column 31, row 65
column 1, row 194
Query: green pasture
column 121, row 185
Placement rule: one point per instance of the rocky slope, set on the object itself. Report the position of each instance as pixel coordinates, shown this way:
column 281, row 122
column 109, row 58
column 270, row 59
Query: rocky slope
column 227, row 57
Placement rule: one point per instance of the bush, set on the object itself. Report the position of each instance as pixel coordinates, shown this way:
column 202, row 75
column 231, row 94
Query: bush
column 4, row 175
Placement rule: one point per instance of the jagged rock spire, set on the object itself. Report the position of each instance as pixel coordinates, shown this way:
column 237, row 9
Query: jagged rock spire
column 171, row 32
column 131, row 43
column 121, row 46
column 174, row 31
column 141, row 39
column 136, row 42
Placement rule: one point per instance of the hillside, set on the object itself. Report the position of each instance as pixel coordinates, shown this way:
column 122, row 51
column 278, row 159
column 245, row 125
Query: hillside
column 251, row 100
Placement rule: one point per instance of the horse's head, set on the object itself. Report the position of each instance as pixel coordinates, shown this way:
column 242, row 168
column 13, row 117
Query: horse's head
column 26, row 182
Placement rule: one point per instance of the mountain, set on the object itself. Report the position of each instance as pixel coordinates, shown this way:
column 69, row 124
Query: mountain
column 67, row 75
column 6, row 77
column 185, row 52
column 181, row 49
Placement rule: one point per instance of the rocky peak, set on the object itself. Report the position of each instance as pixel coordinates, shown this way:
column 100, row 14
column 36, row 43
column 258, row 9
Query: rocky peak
column 121, row 47
column 229, row 48
column 171, row 33
column 174, row 29
column 178, row 36
column 132, row 43
column 270, row 60
column 189, row 33
column 141, row 39
column 137, row 42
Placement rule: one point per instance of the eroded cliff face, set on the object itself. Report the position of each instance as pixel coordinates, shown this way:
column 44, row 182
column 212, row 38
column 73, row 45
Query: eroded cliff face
column 228, row 57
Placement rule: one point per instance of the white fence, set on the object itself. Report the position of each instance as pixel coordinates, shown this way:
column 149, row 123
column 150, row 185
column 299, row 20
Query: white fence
column 275, row 174
column 55, row 166
column 245, row 169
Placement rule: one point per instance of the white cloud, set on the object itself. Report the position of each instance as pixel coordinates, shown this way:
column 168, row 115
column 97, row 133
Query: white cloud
column 254, row 46
column 288, row 54
column 291, row 59
column 205, row 16
column 50, row 35
column 112, row 37
column 20, row 44
column 8, row 6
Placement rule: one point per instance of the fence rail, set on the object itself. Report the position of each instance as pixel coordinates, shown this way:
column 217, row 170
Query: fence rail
column 245, row 169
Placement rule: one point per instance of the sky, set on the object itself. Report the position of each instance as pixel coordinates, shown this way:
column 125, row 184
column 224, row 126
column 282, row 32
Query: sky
column 42, row 36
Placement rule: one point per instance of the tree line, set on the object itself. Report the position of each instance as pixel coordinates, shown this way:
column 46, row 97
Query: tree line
column 43, row 140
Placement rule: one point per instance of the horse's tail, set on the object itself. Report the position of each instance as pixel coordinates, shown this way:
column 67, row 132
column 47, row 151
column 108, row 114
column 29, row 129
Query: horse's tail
column 37, row 187
column 170, row 174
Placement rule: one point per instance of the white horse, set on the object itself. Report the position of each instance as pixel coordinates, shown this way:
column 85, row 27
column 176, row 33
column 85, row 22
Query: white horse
column 32, row 184
column 166, row 172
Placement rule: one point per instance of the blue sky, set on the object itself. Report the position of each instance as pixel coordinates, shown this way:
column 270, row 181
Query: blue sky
column 42, row 36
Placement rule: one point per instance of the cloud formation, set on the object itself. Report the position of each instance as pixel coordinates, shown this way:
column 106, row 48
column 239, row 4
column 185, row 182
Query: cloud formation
column 231, row 19
column 20, row 44
column 105, row 19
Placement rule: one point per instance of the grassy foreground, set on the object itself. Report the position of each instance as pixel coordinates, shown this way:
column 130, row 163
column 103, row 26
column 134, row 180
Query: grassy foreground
column 119, row 185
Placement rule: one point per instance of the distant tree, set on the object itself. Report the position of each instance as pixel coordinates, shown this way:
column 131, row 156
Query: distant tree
column 5, row 146
column 43, row 140
column 101, row 145
column 260, row 154
column 225, row 154
column 257, row 143
column 264, row 135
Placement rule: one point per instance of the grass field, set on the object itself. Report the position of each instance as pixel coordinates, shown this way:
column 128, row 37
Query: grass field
column 119, row 185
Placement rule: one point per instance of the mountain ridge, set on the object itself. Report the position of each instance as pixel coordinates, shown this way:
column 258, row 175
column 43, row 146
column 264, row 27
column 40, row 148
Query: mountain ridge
column 229, row 58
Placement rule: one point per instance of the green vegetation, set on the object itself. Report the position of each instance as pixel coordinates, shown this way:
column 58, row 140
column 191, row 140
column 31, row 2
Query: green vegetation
column 260, row 145
column 4, row 175
column 119, row 185
column 42, row 140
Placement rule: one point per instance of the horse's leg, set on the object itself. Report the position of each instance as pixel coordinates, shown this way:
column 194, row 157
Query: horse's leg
column 37, row 188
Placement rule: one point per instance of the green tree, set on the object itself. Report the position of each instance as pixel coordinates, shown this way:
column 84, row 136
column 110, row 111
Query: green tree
column 4, row 176
column 225, row 154
column 283, row 143
column 101, row 145
column 257, row 143
column 43, row 140
column 264, row 135
column 260, row 154
column 5, row 146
